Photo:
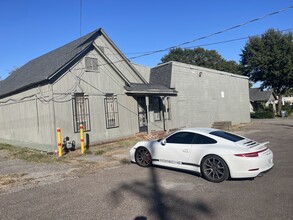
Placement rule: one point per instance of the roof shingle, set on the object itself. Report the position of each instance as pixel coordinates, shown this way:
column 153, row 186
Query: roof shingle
column 155, row 89
column 255, row 94
column 44, row 67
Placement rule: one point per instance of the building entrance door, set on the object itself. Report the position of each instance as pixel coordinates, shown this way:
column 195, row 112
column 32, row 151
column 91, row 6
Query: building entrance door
column 142, row 114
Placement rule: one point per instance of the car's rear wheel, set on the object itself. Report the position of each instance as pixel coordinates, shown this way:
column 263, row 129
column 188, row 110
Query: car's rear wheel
column 214, row 169
column 143, row 157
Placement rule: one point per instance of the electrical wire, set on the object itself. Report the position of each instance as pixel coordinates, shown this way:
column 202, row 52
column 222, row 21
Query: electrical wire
column 17, row 100
column 199, row 45
column 208, row 44
column 214, row 34
column 80, row 18
column 231, row 40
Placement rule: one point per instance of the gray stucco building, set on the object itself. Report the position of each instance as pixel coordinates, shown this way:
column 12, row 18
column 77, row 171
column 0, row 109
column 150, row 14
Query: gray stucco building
column 90, row 82
column 204, row 95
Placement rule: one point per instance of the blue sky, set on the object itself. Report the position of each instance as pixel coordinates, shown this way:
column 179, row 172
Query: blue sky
column 30, row 28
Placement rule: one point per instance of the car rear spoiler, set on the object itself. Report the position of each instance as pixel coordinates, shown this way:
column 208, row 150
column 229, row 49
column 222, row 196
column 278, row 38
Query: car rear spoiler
column 262, row 144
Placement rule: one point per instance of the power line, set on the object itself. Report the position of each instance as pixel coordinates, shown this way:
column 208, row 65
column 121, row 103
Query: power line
column 213, row 34
column 232, row 40
column 194, row 46
column 200, row 45
column 80, row 18
column 208, row 44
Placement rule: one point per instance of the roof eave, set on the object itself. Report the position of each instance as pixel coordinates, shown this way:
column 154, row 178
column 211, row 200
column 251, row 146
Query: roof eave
column 159, row 93
column 25, row 88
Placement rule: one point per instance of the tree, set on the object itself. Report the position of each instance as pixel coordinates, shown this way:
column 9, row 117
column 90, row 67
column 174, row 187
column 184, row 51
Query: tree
column 201, row 57
column 269, row 59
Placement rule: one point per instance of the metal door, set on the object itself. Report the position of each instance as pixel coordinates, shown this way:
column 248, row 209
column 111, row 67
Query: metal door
column 142, row 114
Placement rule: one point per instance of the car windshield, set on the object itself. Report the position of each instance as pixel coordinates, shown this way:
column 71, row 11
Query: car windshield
column 227, row 136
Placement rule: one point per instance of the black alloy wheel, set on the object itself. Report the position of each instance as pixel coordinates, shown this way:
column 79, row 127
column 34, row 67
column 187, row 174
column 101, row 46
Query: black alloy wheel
column 143, row 157
column 214, row 169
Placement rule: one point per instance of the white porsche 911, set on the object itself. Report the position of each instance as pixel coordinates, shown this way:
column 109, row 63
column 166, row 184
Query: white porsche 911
column 217, row 155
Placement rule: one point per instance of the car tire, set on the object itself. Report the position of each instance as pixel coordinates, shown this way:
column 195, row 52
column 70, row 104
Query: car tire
column 143, row 157
column 214, row 169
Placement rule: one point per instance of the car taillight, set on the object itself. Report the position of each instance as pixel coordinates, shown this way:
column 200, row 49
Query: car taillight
column 252, row 154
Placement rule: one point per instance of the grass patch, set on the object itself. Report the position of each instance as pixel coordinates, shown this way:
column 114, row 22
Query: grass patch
column 27, row 154
column 32, row 155
column 120, row 144
column 6, row 147
column 88, row 152
column 99, row 152
column 113, row 147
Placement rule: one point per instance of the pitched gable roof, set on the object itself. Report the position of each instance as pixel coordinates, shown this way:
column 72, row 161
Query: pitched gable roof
column 45, row 67
column 255, row 94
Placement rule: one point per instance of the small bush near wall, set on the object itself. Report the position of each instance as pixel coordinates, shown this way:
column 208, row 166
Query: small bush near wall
column 287, row 108
column 262, row 114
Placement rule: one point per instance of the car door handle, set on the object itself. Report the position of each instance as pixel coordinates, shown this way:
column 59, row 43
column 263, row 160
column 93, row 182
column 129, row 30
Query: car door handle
column 185, row 150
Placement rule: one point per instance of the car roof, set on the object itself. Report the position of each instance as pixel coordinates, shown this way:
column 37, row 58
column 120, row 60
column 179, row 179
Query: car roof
column 199, row 130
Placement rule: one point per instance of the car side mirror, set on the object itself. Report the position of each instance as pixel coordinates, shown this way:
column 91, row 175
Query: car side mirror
column 163, row 142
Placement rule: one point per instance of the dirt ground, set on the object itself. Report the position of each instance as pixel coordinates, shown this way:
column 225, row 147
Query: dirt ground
column 17, row 174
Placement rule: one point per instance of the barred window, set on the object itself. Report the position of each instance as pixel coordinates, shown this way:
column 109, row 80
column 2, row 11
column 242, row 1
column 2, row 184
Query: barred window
column 157, row 108
column 81, row 112
column 111, row 111
column 91, row 64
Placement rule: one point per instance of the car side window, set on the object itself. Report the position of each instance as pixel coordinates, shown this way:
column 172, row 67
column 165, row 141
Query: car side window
column 201, row 139
column 181, row 138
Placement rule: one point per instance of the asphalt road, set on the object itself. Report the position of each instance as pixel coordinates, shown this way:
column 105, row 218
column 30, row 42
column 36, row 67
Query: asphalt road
column 132, row 192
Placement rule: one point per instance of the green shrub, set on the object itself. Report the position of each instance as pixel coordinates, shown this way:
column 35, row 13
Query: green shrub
column 262, row 114
column 287, row 108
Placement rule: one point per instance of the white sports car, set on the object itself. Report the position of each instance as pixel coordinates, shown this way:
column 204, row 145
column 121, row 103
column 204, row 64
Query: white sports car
column 215, row 154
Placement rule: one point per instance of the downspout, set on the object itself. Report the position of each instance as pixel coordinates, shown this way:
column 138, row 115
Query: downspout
column 147, row 102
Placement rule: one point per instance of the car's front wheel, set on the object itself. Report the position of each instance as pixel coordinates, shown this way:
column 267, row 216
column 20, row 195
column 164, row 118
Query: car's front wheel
column 214, row 169
column 143, row 157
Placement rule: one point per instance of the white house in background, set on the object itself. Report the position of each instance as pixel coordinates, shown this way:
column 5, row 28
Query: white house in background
column 287, row 99
column 259, row 97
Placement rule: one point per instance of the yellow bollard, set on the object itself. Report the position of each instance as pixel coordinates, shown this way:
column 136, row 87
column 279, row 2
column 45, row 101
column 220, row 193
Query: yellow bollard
column 59, row 142
column 81, row 139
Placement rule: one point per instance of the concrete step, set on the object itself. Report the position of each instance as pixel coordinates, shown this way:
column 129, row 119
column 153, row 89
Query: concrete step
column 222, row 125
